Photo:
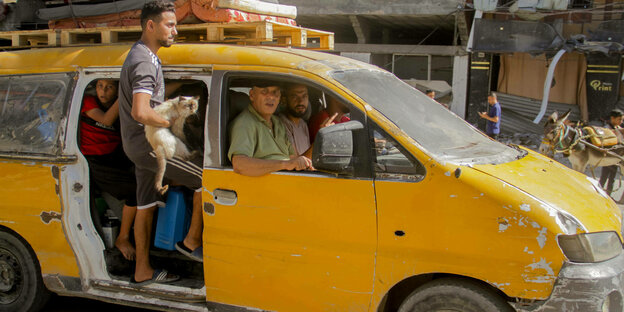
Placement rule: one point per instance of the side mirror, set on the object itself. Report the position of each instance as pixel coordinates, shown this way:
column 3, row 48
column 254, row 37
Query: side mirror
column 333, row 147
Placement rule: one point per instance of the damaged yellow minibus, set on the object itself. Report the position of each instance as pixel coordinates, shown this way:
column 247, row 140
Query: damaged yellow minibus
column 410, row 208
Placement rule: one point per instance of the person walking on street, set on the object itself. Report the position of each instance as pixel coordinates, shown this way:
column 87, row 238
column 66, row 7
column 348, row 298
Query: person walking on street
column 608, row 173
column 493, row 117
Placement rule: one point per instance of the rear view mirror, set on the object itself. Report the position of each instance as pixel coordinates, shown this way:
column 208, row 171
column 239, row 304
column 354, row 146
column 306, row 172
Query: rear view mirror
column 333, row 147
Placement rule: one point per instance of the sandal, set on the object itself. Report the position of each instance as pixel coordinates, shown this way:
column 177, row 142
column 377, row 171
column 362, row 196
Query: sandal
column 197, row 254
column 160, row 276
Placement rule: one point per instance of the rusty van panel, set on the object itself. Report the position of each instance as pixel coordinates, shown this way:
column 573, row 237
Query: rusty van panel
column 31, row 206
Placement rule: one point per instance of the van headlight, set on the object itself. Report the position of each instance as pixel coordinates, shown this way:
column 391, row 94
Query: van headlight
column 590, row 247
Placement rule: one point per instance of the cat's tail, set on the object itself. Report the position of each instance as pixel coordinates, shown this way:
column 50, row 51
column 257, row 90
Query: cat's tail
column 161, row 159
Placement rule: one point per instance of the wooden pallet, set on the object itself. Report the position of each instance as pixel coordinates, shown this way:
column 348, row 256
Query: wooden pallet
column 30, row 38
column 265, row 33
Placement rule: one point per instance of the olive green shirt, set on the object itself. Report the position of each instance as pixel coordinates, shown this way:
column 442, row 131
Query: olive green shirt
column 251, row 135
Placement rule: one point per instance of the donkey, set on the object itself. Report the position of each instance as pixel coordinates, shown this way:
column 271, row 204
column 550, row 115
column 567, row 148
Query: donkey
column 562, row 138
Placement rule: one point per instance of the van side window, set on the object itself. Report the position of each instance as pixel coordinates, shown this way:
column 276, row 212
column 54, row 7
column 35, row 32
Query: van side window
column 32, row 109
column 300, row 133
column 391, row 161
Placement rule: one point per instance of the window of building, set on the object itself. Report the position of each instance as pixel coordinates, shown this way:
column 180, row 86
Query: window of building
column 423, row 67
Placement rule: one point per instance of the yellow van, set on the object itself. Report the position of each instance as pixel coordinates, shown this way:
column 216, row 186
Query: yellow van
column 410, row 208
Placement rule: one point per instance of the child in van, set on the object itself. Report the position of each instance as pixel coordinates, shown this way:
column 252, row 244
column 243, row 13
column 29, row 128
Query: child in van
column 110, row 169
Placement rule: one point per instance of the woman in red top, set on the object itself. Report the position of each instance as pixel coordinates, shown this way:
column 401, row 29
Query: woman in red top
column 110, row 169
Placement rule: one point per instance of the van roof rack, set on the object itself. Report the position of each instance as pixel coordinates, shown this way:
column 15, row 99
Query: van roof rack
column 268, row 33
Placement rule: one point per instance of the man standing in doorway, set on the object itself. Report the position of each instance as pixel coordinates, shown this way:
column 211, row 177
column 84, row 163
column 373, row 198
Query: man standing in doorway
column 493, row 117
column 142, row 87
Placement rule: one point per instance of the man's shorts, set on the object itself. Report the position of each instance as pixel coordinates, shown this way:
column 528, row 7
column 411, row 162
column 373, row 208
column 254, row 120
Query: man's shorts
column 181, row 172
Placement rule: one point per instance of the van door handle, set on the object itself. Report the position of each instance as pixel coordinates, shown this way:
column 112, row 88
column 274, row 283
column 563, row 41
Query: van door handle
column 225, row 197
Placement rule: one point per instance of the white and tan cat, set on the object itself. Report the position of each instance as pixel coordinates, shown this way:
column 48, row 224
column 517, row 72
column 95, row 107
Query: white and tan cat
column 169, row 142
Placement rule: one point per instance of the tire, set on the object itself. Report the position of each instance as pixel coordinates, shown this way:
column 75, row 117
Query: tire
column 453, row 294
column 21, row 285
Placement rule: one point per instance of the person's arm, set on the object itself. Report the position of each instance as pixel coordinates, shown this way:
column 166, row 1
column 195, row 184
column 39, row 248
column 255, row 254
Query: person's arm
column 105, row 118
column 143, row 112
column 308, row 152
column 484, row 115
column 492, row 119
column 255, row 167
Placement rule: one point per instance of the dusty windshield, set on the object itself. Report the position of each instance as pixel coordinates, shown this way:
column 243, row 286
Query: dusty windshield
column 441, row 133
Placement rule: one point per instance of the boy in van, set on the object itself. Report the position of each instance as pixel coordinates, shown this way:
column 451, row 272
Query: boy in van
column 333, row 114
column 109, row 167
column 142, row 85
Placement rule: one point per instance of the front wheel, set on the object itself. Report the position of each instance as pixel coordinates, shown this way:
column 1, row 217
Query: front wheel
column 454, row 295
column 21, row 285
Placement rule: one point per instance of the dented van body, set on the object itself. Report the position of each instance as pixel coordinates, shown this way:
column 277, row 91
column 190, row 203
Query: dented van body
column 418, row 196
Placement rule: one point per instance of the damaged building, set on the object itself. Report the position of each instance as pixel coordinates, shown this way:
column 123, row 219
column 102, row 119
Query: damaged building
column 545, row 56
column 421, row 42
column 462, row 49
column 465, row 49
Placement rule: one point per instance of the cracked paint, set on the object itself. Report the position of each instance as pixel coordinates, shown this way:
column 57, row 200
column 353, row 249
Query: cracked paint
column 525, row 207
column 503, row 224
column 501, row 286
column 540, row 265
column 566, row 222
column 47, row 217
column 521, row 222
column 541, row 237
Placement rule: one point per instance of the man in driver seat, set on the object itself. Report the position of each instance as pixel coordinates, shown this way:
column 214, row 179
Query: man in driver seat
column 258, row 141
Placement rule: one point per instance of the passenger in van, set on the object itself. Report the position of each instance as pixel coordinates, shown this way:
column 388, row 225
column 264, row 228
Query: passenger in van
column 109, row 168
column 258, row 140
column 141, row 86
column 296, row 128
column 333, row 114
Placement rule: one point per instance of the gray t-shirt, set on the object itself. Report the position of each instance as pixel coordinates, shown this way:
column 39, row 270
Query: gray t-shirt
column 141, row 73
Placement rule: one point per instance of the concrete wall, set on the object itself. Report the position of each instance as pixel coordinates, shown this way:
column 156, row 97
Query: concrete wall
column 460, row 85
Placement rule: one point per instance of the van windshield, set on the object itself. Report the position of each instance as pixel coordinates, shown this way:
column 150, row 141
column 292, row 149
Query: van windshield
column 441, row 133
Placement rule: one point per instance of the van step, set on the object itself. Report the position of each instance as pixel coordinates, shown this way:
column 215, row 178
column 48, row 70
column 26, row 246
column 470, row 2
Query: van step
column 176, row 291
column 244, row 33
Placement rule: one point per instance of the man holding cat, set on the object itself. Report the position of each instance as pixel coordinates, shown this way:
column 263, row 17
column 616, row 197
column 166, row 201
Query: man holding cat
column 141, row 87
column 258, row 141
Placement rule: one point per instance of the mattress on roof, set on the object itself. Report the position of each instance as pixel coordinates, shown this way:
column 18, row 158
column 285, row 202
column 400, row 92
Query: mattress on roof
column 90, row 10
column 187, row 12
